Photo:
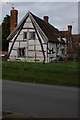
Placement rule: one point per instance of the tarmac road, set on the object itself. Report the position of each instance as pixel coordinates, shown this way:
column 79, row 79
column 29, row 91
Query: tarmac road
column 48, row 101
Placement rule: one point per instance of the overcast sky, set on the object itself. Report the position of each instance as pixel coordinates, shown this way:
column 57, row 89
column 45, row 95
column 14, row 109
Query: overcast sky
column 60, row 14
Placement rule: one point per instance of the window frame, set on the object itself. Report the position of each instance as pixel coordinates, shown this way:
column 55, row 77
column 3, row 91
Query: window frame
column 21, row 52
column 32, row 35
column 24, row 35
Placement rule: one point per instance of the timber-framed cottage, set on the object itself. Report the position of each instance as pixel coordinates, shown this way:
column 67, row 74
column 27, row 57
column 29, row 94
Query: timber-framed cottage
column 34, row 39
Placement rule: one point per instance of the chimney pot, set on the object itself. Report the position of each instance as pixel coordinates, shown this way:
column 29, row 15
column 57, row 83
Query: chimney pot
column 12, row 8
column 46, row 18
column 70, row 29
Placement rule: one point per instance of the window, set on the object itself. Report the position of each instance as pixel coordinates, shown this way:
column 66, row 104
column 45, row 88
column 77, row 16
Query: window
column 32, row 35
column 21, row 52
column 25, row 35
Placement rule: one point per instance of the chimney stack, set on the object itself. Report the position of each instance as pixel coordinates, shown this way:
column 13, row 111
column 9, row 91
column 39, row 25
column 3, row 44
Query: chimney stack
column 13, row 19
column 46, row 18
column 70, row 29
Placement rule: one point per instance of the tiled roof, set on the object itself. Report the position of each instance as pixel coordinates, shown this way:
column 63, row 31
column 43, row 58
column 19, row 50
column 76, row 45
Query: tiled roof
column 50, row 31
column 76, row 41
column 63, row 33
column 76, row 38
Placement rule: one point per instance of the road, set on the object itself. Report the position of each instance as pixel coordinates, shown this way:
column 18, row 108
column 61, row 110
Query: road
column 40, row 100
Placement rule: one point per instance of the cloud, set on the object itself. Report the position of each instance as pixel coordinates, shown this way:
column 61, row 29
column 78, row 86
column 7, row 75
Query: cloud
column 39, row 0
column 60, row 13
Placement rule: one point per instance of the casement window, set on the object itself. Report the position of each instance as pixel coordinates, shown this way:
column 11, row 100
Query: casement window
column 21, row 52
column 25, row 35
column 32, row 35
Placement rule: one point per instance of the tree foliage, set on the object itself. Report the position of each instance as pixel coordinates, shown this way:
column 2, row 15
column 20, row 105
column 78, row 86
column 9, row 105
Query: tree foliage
column 5, row 32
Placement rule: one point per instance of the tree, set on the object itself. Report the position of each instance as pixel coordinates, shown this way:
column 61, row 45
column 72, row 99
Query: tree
column 5, row 32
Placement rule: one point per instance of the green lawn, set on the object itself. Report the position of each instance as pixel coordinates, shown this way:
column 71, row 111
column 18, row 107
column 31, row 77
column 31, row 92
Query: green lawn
column 57, row 73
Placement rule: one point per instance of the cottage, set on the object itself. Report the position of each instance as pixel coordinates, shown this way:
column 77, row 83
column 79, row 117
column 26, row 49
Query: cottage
column 34, row 39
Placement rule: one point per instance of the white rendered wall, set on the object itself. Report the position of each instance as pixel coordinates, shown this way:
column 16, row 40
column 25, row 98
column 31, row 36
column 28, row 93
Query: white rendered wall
column 32, row 47
column 51, row 55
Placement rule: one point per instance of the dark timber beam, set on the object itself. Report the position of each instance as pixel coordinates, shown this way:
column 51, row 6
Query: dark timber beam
column 39, row 40
column 15, row 38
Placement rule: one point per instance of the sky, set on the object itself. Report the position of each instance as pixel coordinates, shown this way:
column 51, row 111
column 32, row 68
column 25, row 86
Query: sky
column 61, row 14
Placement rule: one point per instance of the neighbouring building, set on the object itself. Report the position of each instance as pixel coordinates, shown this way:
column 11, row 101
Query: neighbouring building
column 3, row 53
column 34, row 39
column 73, row 42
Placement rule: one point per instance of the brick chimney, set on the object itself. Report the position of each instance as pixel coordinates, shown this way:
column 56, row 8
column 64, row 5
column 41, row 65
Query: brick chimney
column 13, row 19
column 70, row 29
column 46, row 18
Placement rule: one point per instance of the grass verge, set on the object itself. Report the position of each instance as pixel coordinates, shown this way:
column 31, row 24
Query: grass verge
column 57, row 73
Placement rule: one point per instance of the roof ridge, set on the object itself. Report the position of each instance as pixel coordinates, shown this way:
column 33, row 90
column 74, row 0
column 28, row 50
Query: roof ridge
column 44, row 21
column 47, row 28
column 50, row 31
